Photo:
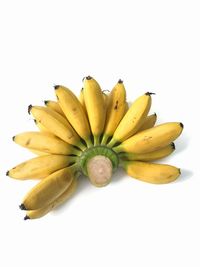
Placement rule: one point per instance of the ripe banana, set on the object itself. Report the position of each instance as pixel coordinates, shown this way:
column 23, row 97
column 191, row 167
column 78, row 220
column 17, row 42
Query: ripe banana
column 149, row 122
column 41, row 127
column 115, row 111
column 38, row 152
column 105, row 97
column 74, row 112
column 95, row 107
column 35, row 214
column 151, row 139
column 81, row 99
column 54, row 106
column 56, row 124
column 132, row 120
column 48, row 189
column 45, row 142
column 155, row 155
column 151, row 172
column 40, row 167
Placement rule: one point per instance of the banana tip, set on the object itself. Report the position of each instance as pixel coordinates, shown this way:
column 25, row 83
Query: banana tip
column 173, row 146
column 26, row 217
column 56, row 87
column 181, row 124
column 22, row 207
column 89, row 78
column 7, row 173
column 13, row 138
column 179, row 170
column 120, row 81
column 149, row 93
column 29, row 109
column 46, row 102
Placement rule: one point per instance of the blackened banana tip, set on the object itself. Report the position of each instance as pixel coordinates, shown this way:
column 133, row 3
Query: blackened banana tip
column 22, row 207
column 26, row 217
column 155, row 114
column 7, row 173
column 29, row 109
column 181, row 124
column 56, row 87
column 149, row 93
column 173, row 146
column 179, row 170
column 13, row 138
column 46, row 102
column 120, row 81
column 89, row 77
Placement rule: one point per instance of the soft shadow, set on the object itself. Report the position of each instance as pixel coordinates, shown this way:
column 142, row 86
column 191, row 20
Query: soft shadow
column 118, row 175
column 182, row 143
column 185, row 175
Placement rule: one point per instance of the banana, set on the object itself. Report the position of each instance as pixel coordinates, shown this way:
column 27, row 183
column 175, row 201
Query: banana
column 54, row 106
column 133, row 119
column 151, row 172
column 48, row 189
column 155, row 155
column 45, row 142
column 95, row 107
column 38, row 152
column 149, row 122
column 35, row 214
column 41, row 127
column 115, row 110
column 81, row 99
column 105, row 97
column 40, row 167
column 56, row 124
column 151, row 139
column 74, row 112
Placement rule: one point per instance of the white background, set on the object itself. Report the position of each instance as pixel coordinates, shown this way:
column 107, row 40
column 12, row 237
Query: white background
column 151, row 45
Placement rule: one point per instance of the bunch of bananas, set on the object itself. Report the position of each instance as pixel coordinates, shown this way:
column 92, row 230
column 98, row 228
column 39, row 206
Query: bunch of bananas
column 92, row 135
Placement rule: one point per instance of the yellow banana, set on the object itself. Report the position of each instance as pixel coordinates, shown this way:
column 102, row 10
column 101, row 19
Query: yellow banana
column 45, row 142
column 74, row 112
column 149, row 122
column 155, row 155
column 41, row 127
column 132, row 120
column 38, row 152
column 54, row 106
column 56, row 124
column 151, row 139
column 40, row 167
column 151, row 172
column 48, row 189
column 35, row 214
column 105, row 97
column 115, row 110
column 95, row 107
column 81, row 99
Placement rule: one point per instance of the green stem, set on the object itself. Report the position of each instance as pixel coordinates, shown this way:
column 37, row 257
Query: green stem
column 104, row 139
column 96, row 140
column 112, row 142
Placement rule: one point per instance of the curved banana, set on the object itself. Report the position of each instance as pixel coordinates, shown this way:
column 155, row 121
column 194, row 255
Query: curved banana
column 151, row 172
column 151, row 139
column 45, row 142
column 38, row 152
column 74, row 112
column 54, row 106
column 149, row 122
column 105, row 97
column 115, row 110
column 41, row 127
column 48, row 189
column 35, row 214
column 40, row 167
column 56, row 124
column 132, row 120
column 155, row 155
column 95, row 107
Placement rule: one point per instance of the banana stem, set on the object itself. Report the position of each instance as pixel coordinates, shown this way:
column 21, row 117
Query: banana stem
column 112, row 143
column 81, row 146
column 104, row 139
column 96, row 140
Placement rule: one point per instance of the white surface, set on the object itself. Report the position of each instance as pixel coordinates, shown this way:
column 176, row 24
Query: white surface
column 152, row 46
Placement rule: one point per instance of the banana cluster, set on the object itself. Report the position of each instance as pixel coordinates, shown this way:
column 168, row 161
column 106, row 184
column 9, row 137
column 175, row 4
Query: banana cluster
column 92, row 135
